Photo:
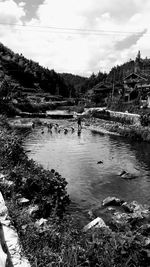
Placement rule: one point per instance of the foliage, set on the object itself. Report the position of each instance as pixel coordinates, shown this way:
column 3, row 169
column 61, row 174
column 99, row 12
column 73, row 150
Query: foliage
column 31, row 181
column 62, row 243
column 145, row 119
column 30, row 74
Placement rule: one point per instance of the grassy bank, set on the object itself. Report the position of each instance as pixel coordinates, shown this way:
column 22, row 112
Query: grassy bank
column 48, row 235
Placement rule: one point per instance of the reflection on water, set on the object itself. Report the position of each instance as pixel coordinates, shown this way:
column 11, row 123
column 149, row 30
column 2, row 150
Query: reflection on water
column 75, row 156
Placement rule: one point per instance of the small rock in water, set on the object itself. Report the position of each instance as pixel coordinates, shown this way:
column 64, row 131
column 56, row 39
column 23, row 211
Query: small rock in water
column 112, row 201
column 100, row 162
column 127, row 175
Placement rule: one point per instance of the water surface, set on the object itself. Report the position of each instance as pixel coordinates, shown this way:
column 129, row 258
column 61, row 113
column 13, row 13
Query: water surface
column 75, row 157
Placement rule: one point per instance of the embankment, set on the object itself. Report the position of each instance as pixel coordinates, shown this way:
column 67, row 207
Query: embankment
column 124, row 124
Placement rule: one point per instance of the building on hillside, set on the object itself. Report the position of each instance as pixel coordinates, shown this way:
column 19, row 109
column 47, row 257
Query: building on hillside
column 101, row 92
column 136, row 86
column 133, row 84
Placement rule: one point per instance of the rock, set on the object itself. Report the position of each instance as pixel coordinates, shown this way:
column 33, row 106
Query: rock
column 24, row 226
column 100, row 162
column 112, row 201
column 3, row 209
column 3, row 212
column 121, row 218
column 127, row 207
column 96, row 223
column 127, row 175
column 137, row 214
column 41, row 221
column 145, row 229
column 90, row 213
column 3, row 180
column 147, row 243
column 23, row 200
column 33, row 209
column 2, row 176
column 139, row 210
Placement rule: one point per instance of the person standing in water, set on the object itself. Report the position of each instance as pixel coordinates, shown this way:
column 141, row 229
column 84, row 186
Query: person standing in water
column 79, row 124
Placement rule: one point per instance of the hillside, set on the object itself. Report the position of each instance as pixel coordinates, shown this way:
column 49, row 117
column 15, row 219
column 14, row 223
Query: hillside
column 139, row 65
column 29, row 74
column 74, row 82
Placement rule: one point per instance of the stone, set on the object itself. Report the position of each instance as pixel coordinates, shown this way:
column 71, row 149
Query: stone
column 112, row 201
column 140, row 210
column 96, row 223
column 3, row 180
column 3, row 212
column 147, row 243
column 41, row 221
column 2, row 176
column 121, row 218
column 127, row 207
column 33, row 209
column 127, row 175
column 23, row 200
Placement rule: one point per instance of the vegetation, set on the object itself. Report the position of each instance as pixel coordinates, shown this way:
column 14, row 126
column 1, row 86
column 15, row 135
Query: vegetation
column 30, row 74
column 45, row 188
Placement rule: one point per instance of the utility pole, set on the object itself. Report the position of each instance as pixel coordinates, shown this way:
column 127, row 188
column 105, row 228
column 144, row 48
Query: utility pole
column 113, row 86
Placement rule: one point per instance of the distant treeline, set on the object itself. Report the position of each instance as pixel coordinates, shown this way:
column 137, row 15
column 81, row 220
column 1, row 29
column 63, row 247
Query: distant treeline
column 31, row 75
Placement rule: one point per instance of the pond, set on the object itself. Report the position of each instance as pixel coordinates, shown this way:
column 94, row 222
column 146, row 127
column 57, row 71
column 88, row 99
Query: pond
column 75, row 157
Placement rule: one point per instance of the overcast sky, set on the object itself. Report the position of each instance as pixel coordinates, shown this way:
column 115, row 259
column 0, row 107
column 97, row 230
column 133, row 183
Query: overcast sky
column 79, row 37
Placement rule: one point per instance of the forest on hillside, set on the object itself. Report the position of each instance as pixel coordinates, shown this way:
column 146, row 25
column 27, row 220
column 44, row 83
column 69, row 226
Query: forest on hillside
column 30, row 74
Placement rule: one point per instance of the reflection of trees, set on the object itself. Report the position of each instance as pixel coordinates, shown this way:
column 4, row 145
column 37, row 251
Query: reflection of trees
column 141, row 150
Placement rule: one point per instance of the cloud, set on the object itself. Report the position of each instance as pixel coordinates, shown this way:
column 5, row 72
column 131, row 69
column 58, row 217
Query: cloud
column 10, row 12
column 44, row 37
column 129, row 41
column 22, row 4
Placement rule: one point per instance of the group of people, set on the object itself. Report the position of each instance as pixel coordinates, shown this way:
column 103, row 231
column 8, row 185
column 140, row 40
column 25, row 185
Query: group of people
column 56, row 126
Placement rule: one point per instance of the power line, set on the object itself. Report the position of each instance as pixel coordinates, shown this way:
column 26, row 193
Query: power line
column 75, row 30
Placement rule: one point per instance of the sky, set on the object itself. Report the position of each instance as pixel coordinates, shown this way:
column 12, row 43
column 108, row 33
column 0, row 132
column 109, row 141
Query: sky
column 79, row 37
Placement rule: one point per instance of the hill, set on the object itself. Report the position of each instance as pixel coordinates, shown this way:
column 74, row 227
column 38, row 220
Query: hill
column 29, row 74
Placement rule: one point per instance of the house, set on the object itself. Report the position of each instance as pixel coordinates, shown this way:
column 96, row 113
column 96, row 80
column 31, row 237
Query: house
column 136, row 87
column 137, row 84
column 101, row 92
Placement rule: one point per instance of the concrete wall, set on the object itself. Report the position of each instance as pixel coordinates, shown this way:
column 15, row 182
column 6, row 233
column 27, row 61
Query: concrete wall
column 129, row 118
column 124, row 117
